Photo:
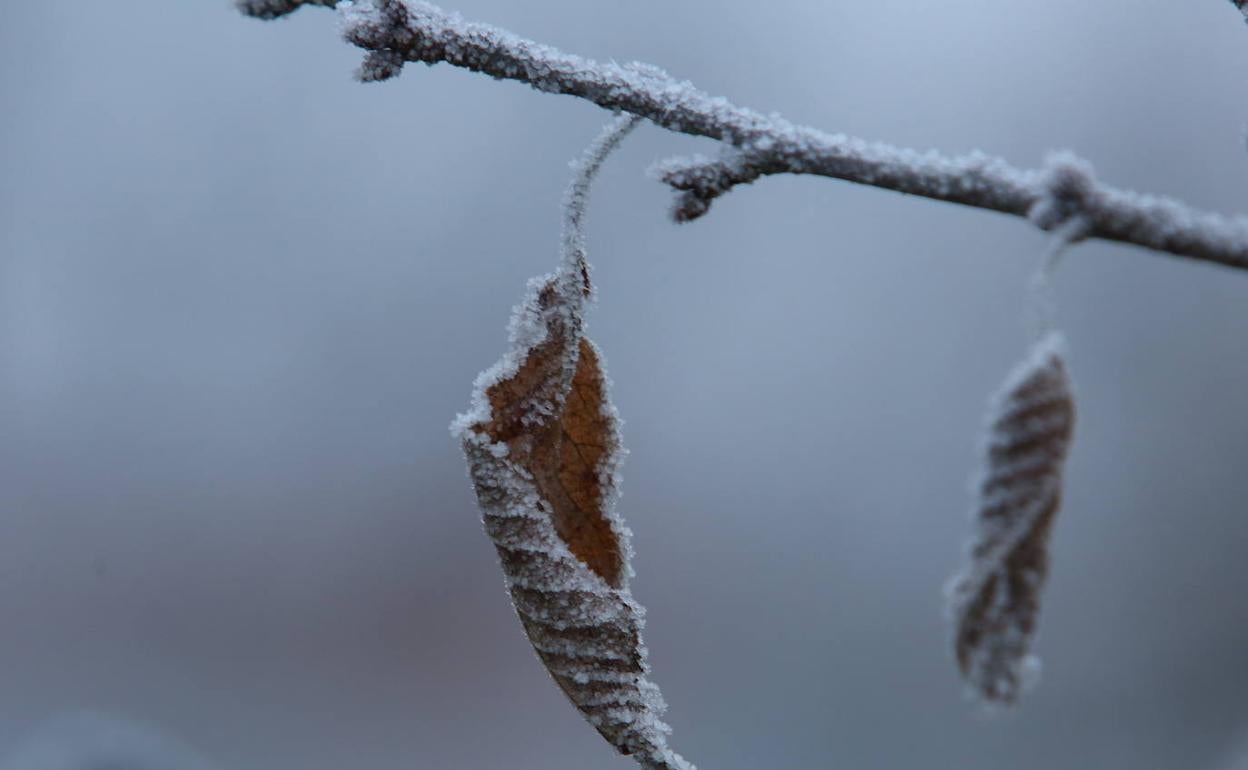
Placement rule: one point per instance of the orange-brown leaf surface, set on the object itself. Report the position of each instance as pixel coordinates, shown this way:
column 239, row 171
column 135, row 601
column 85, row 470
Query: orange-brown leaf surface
column 543, row 450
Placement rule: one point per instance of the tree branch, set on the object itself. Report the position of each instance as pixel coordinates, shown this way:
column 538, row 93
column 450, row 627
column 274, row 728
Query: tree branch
column 395, row 32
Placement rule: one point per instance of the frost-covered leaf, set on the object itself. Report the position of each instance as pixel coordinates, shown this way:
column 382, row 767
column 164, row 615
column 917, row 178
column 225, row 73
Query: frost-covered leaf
column 996, row 600
column 543, row 449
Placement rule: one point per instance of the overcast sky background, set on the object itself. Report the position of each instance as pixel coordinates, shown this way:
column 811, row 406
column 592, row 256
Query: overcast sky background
column 242, row 296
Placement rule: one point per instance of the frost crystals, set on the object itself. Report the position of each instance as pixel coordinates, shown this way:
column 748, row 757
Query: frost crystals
column 543, row 450
column 996, row 600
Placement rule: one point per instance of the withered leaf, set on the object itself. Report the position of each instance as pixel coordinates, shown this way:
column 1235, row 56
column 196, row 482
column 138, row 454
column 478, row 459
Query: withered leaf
column 995, row 601
column 543, row 449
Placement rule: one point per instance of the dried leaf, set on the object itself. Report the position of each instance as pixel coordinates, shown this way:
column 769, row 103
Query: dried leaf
column 543, row 449
column 996, row 600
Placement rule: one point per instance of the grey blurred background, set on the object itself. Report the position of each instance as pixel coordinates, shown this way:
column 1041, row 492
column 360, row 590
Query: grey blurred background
column 242, row 296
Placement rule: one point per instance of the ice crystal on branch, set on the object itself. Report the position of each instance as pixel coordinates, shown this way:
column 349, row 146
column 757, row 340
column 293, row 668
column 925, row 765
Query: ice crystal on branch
column 543, row 449
column 996, row 600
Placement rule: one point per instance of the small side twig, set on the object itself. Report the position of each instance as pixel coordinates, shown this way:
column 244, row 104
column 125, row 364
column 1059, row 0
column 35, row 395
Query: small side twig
column 271, row 9
column 699, row 180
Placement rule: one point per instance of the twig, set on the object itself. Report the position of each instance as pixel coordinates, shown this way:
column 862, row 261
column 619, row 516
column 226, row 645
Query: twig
column 398, row 31
column 271, row 9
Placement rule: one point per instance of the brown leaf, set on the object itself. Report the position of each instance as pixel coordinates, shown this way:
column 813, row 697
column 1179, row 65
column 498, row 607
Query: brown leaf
column 543, row 449
column 996, row 600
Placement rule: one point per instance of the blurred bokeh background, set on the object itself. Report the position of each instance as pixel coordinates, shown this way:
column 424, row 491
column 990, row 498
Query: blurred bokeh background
column 242, row 296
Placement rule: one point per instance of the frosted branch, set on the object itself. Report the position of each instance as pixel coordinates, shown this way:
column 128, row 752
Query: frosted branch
column 395, row 32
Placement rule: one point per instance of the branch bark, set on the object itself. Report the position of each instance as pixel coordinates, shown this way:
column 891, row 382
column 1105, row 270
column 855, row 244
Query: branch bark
column 395, row 32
